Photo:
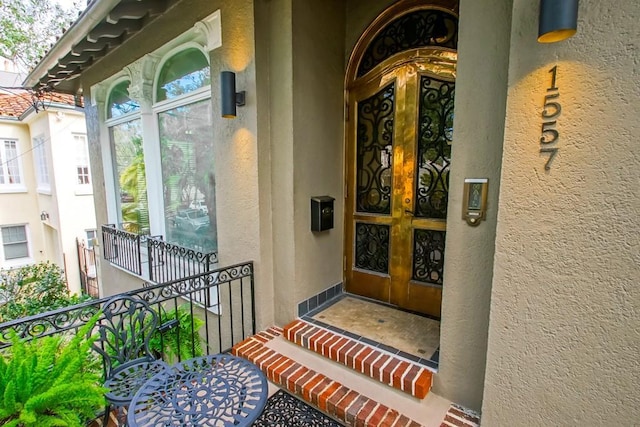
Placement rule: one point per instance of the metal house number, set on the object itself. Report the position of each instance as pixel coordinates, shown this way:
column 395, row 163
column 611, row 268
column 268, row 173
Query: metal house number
column 550, row 112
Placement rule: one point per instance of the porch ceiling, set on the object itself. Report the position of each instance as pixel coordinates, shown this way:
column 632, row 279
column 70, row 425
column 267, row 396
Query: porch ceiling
column 103, row 26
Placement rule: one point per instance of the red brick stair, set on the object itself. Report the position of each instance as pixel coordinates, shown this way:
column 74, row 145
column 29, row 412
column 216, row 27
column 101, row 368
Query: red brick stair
column 401, row 374
column 328, row 395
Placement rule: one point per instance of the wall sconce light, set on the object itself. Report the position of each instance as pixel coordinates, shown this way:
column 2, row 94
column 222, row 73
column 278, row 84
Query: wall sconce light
column 230, row 98
column 558, row 20
column 44, row 215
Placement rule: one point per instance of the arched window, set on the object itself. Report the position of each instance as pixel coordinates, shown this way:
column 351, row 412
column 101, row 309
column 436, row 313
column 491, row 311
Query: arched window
column 125, row 134
column 119, row 102
column 185, row 128
column 184, row 72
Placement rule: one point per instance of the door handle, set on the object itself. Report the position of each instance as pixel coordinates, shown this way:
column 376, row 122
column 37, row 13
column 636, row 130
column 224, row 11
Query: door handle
column 407, row 211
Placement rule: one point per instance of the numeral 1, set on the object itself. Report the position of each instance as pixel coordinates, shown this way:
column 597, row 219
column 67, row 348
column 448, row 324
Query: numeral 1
column 553, row 72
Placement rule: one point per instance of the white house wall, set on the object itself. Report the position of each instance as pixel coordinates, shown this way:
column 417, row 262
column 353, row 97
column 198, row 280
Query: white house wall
column 76, row 212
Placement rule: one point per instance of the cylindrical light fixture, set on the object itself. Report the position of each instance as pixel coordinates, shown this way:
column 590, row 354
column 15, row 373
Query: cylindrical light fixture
column 558, row 20
column 230, row 98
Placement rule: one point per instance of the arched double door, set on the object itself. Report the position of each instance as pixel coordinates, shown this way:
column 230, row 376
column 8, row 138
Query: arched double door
column 400, row 97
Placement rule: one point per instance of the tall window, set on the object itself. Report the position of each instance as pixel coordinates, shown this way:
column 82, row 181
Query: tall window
column 186, row 147
column 14, row 242
column 82, row 159
column 41, row 163
column 9, row 164
column 125, row 129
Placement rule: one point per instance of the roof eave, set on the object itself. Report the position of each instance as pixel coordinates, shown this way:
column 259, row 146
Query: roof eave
column 92, row 15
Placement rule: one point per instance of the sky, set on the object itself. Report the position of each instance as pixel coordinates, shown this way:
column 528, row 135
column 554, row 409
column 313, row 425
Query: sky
column 67, row 4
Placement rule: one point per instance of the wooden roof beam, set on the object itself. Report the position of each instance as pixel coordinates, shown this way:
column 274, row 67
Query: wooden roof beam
column 112, row 31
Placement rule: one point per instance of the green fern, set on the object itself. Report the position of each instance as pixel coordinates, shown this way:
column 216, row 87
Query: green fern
column 182, row 341
column 50, row 381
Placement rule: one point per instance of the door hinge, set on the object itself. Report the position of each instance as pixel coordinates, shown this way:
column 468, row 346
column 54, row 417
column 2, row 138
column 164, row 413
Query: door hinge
column 346, row 190
column 344, row 263
column 346, row 112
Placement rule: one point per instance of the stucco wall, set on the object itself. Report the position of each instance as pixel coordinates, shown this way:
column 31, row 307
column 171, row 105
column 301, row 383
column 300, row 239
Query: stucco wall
column 483, row 53
column 74, row 211
column 27, row 201
column 318, row 133
column 564, row 338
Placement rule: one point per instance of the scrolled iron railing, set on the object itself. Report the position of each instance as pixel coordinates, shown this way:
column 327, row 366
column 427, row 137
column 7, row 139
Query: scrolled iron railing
column 223, row 323
column 153, row 258
column 168, row 261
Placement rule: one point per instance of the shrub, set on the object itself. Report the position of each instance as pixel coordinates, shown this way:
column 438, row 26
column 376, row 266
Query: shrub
column 34, row 289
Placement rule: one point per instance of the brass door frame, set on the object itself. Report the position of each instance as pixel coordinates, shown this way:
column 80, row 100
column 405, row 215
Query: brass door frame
column 396, row 287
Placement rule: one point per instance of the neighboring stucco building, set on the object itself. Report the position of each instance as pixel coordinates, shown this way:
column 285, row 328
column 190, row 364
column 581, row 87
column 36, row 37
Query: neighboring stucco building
column 538, row 303
column 46, row 197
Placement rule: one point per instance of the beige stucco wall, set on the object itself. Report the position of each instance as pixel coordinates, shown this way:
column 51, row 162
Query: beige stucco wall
column 483, row 53
column 22, row 208
column 318, row 150
column 564, row 337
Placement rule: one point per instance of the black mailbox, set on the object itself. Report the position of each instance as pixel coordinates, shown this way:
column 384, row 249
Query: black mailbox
column 321, row 213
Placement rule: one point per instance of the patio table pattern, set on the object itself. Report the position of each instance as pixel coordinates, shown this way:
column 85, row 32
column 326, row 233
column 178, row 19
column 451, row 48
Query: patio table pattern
column 216, row 390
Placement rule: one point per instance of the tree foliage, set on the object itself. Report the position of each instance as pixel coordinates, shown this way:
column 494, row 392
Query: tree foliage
column 33, row 289
column 31, row 27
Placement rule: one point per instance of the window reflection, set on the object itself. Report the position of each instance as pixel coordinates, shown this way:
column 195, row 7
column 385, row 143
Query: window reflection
column 130, row 177
column 183, row 73
column 187, row 175
column 119, row 101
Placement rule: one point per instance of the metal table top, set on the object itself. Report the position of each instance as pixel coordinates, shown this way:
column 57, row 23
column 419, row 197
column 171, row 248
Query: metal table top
column 217, row 390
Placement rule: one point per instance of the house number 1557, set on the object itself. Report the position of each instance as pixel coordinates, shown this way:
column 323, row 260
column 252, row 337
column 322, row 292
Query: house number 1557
column 550, row 113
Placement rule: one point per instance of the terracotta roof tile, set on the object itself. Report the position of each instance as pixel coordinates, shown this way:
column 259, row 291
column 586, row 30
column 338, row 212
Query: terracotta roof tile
column 14, row 105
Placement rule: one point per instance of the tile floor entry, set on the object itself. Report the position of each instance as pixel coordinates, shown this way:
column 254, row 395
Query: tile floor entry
column 386, row 326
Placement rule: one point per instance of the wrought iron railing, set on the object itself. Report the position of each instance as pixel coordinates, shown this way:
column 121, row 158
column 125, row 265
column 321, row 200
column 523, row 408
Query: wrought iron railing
column 154, row 259
column 122, row 248
column 225, row 322
column 168, row 261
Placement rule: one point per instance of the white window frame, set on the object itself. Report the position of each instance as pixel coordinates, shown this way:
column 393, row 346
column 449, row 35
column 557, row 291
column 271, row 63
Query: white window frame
column 91, row 236
column 5, row 160
column 81, row 149
column 41, row 164
column 16, row 262
column 114, row 211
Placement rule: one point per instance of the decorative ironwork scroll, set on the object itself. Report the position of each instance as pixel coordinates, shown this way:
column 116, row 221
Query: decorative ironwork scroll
column 372, row 247
column 434, row 147
column 422, row 28
column 375, row 145
column 428, row 256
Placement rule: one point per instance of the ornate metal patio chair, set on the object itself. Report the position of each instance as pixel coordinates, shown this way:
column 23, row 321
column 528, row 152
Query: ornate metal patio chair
column 123, row 334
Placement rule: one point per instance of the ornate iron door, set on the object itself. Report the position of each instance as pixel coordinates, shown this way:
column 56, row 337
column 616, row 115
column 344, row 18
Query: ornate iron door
column 398, row 158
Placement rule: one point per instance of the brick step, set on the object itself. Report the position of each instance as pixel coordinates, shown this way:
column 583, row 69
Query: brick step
column 410, row 377
column 328, row 395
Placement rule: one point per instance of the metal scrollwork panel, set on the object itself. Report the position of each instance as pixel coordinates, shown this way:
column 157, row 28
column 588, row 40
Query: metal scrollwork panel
column 375, row 152
column 372, row 247
column 428, row 256
column 422, row 28
column 434, row 147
